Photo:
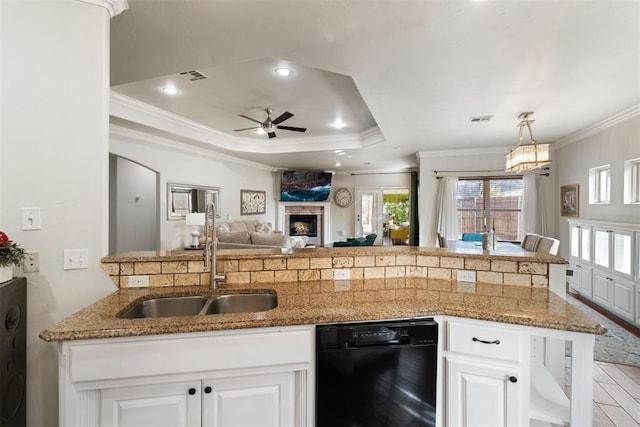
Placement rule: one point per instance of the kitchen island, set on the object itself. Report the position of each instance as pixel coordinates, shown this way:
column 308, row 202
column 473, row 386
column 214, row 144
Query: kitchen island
column 207, row 365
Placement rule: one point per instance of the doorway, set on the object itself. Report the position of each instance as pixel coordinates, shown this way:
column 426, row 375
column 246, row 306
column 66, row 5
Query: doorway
column 385, row 212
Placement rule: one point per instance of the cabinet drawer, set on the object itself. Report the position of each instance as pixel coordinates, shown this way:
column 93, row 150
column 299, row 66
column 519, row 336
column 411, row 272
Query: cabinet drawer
column 483, row 340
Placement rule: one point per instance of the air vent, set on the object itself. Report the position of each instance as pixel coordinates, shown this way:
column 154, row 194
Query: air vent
column 193, row 75
column 478, row 119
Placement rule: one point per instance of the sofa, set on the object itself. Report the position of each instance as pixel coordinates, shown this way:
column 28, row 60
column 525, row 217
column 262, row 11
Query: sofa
column 358, row 241
column 255, row 234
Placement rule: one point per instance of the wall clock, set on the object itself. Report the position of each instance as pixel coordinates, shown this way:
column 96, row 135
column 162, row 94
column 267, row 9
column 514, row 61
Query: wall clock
column 343, row 197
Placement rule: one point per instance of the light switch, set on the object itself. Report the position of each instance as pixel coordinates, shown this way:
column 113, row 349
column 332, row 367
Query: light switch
column 31, row 219
column 76, row 259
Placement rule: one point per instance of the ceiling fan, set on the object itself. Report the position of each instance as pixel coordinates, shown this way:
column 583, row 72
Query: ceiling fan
column 269, row 126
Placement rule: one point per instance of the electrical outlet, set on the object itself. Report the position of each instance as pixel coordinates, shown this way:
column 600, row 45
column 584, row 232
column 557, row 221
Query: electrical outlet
column 31, row 263
column 342, row 274
column 138, row 281
column 466, row 276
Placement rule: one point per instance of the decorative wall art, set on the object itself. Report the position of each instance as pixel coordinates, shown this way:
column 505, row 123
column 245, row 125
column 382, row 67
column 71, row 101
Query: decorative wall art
column 252, row 202
column 569, row 200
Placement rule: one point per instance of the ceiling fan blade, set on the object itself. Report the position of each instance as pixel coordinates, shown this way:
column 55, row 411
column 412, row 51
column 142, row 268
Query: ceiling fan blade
column 239, row 130
column 249, row 118
column 292, row 128
column 282, row 117
column 271, row 135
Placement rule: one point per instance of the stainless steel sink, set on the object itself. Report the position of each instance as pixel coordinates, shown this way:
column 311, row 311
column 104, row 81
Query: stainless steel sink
column 166, row 307
column 202, row 305
column 242, row 303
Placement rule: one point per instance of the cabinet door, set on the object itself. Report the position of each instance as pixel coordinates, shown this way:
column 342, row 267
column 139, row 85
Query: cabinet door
column 602, row 287
column 170, row 405
column 581, row 280
column 622, row 300
column 253, row 400
column 481, row 394
column 601, row 247
column 622, row 252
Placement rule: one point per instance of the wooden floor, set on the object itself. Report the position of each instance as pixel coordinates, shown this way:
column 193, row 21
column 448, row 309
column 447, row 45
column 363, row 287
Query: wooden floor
column 616, row 395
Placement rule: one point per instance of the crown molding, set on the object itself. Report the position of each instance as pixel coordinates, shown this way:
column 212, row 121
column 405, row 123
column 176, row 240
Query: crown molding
column 114, row 7
column 598, row 127
column 131, row 109
column 463, row 152
column 146, row 139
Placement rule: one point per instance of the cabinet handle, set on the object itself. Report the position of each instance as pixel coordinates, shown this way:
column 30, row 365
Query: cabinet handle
column 192, row 391
column 207, row 389
column 513, row 379
column 474, row 339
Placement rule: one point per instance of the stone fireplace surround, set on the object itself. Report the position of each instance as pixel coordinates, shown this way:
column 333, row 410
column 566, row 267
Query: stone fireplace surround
column 318, row 209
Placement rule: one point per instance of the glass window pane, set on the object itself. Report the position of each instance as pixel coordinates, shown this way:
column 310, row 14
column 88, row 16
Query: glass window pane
column 601, row 248
column 622, row 253
column 586, row 244
column 575, row 235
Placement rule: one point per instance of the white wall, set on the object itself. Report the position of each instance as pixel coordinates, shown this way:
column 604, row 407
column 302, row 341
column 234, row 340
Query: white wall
column 477, row 162
column 612, row 146
column 53, row 154
column 179, row 163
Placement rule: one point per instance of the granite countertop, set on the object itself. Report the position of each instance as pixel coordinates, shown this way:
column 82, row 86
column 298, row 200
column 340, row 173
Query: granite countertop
column 308, row 303
column 222, row 254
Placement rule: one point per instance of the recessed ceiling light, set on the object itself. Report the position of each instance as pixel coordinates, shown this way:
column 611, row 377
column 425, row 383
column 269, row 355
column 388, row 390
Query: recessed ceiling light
column 283, row 71
column 338, row 151
column 341, row 153
column 170, row 90
column 338, row 164
column 338, row 124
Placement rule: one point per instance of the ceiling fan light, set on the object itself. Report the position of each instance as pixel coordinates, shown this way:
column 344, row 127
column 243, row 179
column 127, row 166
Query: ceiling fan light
column 283, row 72
column 260, row 131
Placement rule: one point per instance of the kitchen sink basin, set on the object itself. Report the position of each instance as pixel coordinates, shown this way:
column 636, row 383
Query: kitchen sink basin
column 166, row 307
column 242, row 303
column 202, row 305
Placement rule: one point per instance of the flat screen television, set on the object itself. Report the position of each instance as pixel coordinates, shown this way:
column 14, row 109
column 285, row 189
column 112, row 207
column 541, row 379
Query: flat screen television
column 305, row 186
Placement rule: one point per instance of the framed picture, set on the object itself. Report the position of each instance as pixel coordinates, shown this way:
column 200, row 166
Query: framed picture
column 252, row 202
column 569, row 200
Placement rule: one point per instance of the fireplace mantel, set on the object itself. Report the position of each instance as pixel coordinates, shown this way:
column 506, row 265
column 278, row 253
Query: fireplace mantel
column 324, row 206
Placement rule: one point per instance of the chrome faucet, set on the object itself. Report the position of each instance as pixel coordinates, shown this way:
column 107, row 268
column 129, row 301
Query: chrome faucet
column 211, row 247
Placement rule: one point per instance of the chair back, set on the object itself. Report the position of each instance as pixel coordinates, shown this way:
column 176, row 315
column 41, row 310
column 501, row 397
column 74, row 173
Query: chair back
column 530, row 242
column 548, row 245
column 370, row 238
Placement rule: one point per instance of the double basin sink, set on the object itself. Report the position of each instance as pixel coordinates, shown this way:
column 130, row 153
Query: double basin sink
column 192, row 305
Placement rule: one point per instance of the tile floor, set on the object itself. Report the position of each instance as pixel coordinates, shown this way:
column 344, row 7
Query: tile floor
column 616, row 395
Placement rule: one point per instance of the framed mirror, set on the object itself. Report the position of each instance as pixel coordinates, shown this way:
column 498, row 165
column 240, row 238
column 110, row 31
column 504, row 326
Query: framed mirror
column 185, row 198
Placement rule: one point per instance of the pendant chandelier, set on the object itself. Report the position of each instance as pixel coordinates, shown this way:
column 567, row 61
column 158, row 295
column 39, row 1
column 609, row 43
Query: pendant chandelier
column 530, row 156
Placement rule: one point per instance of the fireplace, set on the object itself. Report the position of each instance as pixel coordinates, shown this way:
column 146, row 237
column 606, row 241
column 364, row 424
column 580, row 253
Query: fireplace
column 305, row 219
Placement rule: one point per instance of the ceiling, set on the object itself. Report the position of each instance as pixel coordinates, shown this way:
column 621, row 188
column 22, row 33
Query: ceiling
column 404, row 76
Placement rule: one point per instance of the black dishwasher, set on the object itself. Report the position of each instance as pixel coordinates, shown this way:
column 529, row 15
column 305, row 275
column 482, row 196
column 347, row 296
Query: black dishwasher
column 376, row 374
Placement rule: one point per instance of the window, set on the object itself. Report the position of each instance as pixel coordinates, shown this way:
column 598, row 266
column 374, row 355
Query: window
column 484, row 203
column 632, row 182
column 600, row 185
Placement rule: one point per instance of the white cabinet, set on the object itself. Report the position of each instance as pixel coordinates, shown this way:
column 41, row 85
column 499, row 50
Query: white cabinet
column 249, row 400
column 254, row 400
column 256, row 377
column 173, row 404
column 614, row 265
column 484, row 382
column 484, row 394
column 581, row 281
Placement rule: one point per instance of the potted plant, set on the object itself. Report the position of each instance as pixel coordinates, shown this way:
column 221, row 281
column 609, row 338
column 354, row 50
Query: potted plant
column 10, row 254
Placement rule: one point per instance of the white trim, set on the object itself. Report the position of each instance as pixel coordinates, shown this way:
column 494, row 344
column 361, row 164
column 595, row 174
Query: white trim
column 135, row 111
column 598, row 127
column 147, row 139
column 114, row 7
column 463, row 151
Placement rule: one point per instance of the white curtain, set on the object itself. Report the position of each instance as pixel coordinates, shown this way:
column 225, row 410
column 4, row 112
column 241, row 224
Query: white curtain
column 532, row 214
column 448, row 208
